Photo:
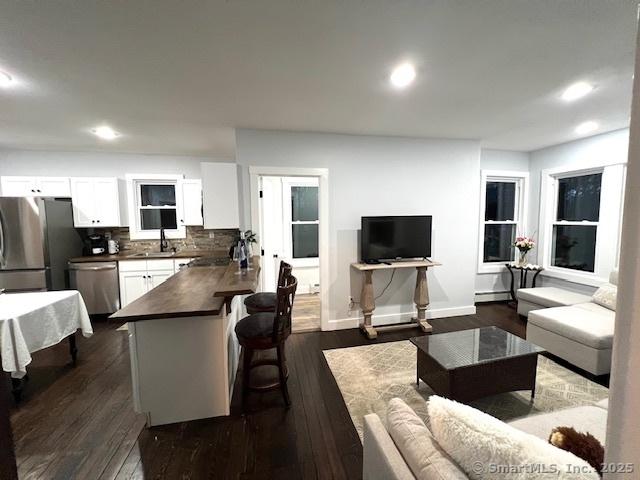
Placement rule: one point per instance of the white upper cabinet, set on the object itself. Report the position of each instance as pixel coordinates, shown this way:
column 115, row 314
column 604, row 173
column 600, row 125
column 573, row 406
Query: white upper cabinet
column 191, row 208
column 108, row 201
column 83, row 201
column 96, row 202
column 35, row 186
column 18, row 186
column 220, row 195
column 53, row 186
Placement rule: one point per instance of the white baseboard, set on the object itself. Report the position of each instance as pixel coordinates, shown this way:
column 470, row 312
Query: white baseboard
column 391, row 318
column 492, row 296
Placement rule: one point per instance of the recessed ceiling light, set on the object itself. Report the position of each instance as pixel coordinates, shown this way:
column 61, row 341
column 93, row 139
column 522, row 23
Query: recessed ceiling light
column 403, row 75
column 105, row 132
column 586, row 127
column 576, row 91
column 6, row 80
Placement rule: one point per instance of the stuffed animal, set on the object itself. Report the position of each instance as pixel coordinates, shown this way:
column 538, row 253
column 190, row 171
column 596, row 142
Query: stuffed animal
column 582, row 445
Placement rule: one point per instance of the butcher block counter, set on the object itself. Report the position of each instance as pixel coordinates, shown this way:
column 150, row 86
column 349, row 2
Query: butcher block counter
column 193, row 291
column 184, row 351
column 135, row 255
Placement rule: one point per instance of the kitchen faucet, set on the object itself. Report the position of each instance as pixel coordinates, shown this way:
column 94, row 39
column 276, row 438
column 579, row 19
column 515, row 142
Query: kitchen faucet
column 163, row 241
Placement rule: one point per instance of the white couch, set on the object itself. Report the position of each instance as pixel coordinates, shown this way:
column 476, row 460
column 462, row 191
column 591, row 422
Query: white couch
column 582, row 333
column 530, row 299
column 383, row 460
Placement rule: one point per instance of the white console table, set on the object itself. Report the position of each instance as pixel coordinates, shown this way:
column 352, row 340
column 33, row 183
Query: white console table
column 420, row 297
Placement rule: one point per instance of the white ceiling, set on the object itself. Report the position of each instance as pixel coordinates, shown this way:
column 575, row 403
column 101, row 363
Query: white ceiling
column 178, row 76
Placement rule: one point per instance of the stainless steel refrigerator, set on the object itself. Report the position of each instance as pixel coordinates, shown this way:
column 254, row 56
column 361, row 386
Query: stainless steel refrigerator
column 37, row 238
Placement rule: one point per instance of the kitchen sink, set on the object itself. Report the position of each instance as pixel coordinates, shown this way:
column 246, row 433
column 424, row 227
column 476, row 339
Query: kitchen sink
column 152, row 254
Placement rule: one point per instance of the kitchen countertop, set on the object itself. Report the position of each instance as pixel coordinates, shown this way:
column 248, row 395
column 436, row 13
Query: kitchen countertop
column 130, row 255
column 194, row 291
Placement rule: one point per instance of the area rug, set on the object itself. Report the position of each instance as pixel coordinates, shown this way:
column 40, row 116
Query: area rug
column 370, row 375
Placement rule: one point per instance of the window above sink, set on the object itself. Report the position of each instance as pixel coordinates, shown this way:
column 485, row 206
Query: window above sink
column 155, row 203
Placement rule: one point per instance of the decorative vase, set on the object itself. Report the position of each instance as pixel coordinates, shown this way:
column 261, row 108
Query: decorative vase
column 523, row 258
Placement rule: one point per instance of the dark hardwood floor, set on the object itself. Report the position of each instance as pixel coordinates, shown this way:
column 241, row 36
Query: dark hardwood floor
column 79, row 422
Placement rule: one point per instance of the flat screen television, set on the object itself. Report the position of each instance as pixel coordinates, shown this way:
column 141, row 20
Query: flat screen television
column 394, row 238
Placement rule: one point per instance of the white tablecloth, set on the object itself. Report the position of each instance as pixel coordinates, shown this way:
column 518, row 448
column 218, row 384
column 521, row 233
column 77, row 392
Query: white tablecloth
column 35, row 320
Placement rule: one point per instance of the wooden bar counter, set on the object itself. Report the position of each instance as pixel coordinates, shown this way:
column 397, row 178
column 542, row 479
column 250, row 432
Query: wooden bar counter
column 184, row 352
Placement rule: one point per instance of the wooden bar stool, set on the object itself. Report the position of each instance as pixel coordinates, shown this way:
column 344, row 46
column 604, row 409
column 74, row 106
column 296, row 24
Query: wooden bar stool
column 266, row 301
column 264, row 331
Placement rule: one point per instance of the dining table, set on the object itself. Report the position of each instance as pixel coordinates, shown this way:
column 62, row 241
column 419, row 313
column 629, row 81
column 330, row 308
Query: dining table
column 33, row 321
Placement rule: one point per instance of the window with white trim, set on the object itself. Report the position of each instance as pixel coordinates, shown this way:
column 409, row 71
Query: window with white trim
column 300, row 218
column 580, row 220
column 502, row 217
column 155, row 202
column 576, row 219
column 304, row 221
column 157, row 206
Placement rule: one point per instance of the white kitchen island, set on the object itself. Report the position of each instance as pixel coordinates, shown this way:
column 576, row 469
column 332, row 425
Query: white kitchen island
column 184, row 351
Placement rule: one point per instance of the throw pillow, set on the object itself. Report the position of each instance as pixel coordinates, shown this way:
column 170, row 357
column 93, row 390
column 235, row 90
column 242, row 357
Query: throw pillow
column 606, row 296
column 583, row 445
column 417, row 446
column 487, row 448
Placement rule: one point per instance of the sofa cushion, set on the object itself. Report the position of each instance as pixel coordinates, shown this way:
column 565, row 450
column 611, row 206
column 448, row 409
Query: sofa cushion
column 551, row 296
column 423, row 455
column 585, row 323
column 606, row 296
column 487, row 448
column 589, row 418
column 381, row 460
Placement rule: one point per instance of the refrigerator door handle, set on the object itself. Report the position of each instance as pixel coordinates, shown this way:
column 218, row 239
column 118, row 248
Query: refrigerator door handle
column 3, row 260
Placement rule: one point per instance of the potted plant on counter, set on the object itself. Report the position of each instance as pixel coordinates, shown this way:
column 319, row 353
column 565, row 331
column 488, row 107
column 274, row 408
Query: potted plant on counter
column 250, row 238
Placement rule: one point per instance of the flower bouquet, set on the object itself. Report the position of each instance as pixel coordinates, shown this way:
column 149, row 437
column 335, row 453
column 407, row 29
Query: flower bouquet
column 524, row 244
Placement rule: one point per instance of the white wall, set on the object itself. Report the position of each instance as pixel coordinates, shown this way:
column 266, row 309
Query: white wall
column 504, row 160
column 612, row 147
column 492, row 286
column 89, row 164
column 371, row 175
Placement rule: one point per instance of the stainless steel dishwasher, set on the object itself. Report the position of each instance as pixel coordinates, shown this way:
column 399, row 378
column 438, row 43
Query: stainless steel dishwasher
column 97, row 282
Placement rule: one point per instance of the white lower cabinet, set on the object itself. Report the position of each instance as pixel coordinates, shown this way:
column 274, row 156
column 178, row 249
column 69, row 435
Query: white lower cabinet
column 180, row 263
column 137, row 277
column 156, row 278
column 132, row 286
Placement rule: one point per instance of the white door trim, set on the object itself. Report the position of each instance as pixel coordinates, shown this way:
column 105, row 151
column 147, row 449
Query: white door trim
column 255, row 172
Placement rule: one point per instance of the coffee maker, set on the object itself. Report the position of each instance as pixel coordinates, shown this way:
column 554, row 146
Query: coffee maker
column 97, row 244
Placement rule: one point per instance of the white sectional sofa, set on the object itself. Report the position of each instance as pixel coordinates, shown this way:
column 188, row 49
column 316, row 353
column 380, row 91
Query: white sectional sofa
column 580, row 333
column 547, row 297
column 422, row 457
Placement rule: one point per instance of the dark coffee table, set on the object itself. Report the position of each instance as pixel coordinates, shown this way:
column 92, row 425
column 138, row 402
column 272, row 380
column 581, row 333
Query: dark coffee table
column 470, row 364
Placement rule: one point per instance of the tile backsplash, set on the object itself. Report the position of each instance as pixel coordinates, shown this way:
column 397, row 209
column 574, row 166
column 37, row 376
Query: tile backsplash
column 197, row 239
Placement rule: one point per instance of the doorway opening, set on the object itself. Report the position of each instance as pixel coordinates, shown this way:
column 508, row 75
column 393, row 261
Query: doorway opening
column 290, row 227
